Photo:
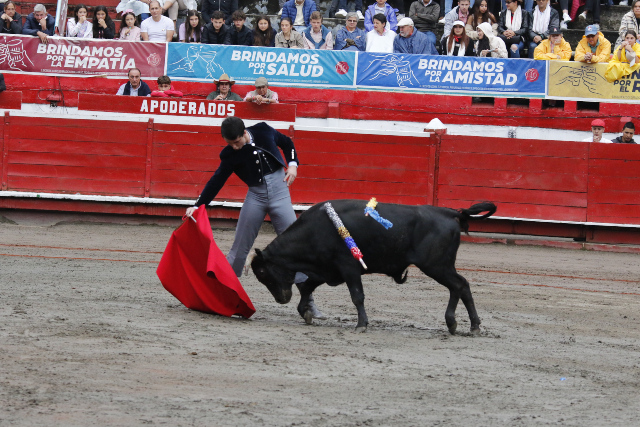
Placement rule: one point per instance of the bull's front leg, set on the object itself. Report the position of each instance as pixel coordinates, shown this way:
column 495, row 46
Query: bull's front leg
column 306, row 300
column 357, row 296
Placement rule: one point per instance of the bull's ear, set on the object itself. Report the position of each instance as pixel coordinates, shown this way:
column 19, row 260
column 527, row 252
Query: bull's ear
column 259, row 254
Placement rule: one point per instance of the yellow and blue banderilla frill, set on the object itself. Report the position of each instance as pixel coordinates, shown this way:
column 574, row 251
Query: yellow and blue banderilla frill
column 344, row 233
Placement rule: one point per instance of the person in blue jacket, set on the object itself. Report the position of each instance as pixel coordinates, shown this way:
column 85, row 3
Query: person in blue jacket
column 410, row 40
column 39, row 23
column 291, row 8
column 350, row 37
column 380, row 6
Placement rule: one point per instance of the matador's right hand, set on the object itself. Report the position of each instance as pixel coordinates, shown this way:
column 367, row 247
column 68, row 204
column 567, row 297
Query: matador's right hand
column 190, row 211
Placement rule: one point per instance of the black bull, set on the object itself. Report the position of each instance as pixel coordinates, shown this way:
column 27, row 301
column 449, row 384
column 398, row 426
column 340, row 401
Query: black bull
column 425, row 236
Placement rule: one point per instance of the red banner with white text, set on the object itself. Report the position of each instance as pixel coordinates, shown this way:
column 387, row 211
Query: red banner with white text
column 81, row 56
column 186, row 107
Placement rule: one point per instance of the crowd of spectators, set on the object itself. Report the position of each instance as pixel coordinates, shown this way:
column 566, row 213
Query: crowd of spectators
column 472, row 28
column 515, row 25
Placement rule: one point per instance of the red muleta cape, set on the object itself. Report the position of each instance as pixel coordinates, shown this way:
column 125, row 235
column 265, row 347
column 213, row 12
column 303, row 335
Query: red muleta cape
column 194, row 270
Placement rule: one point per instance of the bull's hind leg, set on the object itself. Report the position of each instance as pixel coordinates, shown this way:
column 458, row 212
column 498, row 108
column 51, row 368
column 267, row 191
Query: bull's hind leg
column 450, row 314
column 467, row 299
column 458, row 289
column 354, row 283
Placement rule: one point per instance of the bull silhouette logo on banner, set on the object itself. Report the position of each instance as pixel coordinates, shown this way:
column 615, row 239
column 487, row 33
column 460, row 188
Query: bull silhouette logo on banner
column 199, row 61
column 393, row 64
column 13, row 54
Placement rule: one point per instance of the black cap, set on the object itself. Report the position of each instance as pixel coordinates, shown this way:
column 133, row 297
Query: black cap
column 555, row 31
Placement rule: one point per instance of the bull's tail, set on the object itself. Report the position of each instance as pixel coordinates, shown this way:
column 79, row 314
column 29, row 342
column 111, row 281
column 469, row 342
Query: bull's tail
column 467, row 214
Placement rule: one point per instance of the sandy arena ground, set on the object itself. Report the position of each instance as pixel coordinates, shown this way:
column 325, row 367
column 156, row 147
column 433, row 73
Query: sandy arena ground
column 88, row 336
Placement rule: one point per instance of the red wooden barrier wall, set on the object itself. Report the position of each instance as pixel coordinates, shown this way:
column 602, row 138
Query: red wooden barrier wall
column 183, row 160
column 11, row 100
column 147, row 159
column 526, row 178
column 75, row 156
column 614, row 184
column 546, row 180
column 360, row 166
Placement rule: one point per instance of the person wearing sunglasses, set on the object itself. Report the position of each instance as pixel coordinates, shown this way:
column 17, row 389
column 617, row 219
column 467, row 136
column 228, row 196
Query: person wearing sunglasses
column 350, row 37
column 513, row 27
column 594, row 46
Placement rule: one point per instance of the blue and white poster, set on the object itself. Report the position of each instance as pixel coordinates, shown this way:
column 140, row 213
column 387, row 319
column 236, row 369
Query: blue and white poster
column 452, row 74
column 205, row 62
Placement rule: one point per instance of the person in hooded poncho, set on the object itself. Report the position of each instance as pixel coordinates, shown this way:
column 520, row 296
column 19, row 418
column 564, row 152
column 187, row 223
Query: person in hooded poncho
column 489, row 45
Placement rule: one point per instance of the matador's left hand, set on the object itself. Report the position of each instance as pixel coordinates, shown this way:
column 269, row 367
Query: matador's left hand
column 292, row 172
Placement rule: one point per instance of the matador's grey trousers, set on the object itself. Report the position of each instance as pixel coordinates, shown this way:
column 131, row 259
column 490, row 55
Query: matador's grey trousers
column 272, row 197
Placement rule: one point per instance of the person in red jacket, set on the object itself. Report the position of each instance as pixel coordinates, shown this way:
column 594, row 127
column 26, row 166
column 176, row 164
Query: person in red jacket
column 165, row 89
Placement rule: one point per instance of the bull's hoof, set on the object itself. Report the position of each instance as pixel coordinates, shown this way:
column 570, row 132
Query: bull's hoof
column 360, row 329
column 308, row 317
column 453, row 327
column 475, row 331
column 317, row 314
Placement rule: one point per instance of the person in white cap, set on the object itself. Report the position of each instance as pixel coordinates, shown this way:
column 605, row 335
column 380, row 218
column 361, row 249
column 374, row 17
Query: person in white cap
column 458, row 43
column 410, row 40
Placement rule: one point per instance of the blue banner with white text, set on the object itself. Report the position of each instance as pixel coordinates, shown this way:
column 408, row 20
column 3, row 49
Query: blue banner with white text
column 452, row 74
column 244, row 64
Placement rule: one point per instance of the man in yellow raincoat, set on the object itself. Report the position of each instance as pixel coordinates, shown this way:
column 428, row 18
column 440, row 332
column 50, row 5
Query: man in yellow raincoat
column 594, row 46
column 555, row 47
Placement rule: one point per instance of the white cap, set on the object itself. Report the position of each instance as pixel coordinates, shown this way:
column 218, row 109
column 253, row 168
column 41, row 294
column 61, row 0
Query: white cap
column 405, row 21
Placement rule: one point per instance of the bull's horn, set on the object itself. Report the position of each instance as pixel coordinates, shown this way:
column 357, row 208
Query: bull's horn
column 247, row 264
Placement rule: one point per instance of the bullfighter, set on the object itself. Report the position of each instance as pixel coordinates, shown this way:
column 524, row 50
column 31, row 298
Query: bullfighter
column 252, row 154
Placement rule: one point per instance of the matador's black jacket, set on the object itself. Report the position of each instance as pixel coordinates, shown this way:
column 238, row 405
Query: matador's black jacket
column 246, row 162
